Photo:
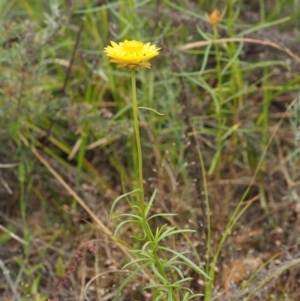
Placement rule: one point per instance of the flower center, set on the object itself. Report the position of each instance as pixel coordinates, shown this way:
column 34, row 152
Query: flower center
column 133, row 46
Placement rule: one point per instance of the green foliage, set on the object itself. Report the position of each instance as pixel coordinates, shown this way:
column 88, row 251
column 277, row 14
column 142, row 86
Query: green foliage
column 67, row 101
column 154, row 255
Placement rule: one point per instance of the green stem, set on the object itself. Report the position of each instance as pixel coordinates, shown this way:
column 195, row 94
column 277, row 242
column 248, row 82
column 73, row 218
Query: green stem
column 142, row 205
column 210, row 269
column 220, row 100
column 138, row 141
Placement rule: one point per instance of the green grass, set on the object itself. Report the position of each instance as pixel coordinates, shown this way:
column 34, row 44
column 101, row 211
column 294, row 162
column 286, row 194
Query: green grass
column 66, row 120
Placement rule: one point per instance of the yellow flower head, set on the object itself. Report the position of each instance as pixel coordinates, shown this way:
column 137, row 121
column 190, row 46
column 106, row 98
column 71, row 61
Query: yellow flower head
column 131, row 54
column 215, row 17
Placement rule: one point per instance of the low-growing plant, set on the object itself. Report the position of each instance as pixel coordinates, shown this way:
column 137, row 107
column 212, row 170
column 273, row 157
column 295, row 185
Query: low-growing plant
column 162, row 260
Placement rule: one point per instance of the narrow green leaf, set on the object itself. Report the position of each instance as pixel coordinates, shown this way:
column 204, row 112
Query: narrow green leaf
column 158, row 232
column 161, row 215
column 179, row 231
column 119, row 198
column 150, row 109
column 125, row 282
column 263, row 25
column 128, row 214
column 122, row 224
column 151, row 202
column 157, row 274
column 132, row 262
column 188, row 261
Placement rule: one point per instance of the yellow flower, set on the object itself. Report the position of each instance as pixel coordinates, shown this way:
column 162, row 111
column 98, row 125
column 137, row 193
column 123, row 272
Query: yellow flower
column 215, row 17
column 131, row 54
